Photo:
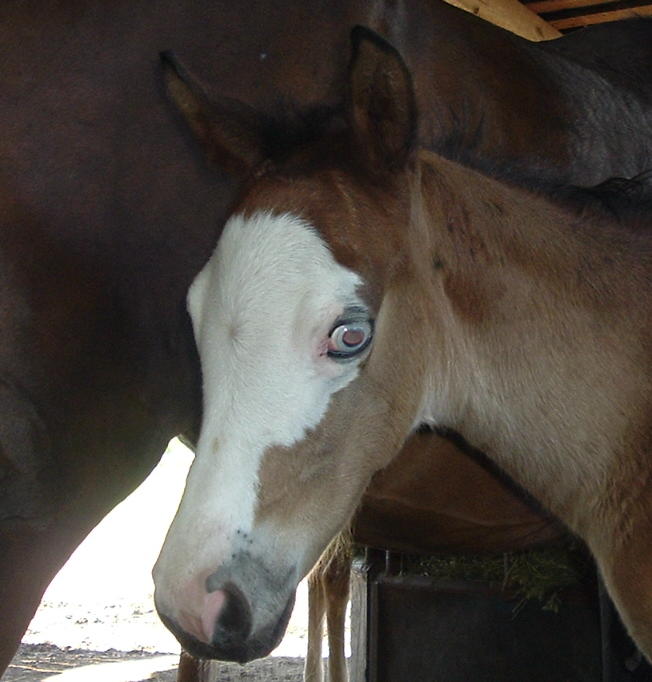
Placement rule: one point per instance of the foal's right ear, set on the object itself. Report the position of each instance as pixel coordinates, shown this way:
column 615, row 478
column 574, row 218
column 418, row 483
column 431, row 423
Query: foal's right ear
column 382, row 104
column 229, row 132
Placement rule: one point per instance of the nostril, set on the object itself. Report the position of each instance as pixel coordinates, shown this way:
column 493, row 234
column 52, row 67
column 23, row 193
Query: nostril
column 213, row 604
column 235, row 616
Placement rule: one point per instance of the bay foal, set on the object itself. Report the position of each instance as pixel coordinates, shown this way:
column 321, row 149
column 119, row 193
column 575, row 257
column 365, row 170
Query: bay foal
column 362, row 287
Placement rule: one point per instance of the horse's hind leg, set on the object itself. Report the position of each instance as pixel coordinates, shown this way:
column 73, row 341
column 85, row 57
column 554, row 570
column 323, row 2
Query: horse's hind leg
column 334, row 570
column 313, row 668
column 336, row 586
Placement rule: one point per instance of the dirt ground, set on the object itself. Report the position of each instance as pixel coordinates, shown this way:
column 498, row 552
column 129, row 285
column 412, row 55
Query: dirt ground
column 40, row 662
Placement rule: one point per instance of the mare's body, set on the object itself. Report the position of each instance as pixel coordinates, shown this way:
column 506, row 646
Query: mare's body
column 106, row 217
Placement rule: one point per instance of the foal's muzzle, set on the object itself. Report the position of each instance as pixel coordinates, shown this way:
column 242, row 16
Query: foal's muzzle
column 245, row 611
column 233, row 639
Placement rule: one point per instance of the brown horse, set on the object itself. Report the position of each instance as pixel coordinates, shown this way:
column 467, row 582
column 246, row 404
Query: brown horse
column 362, row 287
column 106, row 219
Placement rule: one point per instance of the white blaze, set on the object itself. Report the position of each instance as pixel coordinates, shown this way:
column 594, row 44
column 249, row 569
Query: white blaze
column 262, row 309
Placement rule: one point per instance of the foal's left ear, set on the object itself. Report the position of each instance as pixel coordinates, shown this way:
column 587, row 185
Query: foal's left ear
column 229, row 132
column 382, row 106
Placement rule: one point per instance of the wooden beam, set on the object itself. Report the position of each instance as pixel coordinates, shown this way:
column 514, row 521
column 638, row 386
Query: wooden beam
column 511, row 15
column 543, row 6
column 602, row 17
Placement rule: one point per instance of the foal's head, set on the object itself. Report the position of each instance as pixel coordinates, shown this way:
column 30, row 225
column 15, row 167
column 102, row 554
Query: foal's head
column 309, row 339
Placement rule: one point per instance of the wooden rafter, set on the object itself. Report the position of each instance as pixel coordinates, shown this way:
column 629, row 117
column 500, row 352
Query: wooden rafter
column 511, row 15
column 601, row 17
column 546, row 19
column 544, row 6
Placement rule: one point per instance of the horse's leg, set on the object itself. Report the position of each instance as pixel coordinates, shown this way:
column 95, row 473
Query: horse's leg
column 37, row 532
column 337, row 580
column 32, row 545
column 22, row 583
column 313, row 669
column 29, row 559
column 188, row 669
column 192, row 669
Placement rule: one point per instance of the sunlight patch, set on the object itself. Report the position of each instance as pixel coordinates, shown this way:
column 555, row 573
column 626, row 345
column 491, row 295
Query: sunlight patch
column 119, row 671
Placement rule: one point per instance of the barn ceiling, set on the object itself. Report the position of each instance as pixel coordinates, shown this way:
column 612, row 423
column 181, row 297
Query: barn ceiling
column 569, row 15
column 546, row 19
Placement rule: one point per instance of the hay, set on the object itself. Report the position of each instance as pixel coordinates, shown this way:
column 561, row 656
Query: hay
column 536, row 574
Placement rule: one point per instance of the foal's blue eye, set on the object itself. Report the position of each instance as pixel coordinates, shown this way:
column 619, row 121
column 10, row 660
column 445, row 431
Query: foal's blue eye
column 349, row 338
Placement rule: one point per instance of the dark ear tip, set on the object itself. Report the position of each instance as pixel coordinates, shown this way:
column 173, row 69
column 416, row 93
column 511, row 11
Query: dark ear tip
column 167, row 58
column 171, row 64
column 361, row 34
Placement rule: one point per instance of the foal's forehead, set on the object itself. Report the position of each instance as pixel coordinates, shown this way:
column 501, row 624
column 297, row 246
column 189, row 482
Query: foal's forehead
column 318, row 196
column 283, row 254
column 350, row 216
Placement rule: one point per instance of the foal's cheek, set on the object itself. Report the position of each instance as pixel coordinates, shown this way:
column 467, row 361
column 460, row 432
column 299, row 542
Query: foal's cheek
column 282, row 478
column 274, row 477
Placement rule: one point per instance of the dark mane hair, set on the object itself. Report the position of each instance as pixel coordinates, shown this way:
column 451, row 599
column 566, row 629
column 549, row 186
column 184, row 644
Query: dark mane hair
column 289, row 128
column 617, row 198
column 626, row 200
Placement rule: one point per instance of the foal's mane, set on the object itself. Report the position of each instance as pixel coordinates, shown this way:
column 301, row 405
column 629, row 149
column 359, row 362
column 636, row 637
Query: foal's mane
column 622, row 199
column 288, row 128
column 627, row 201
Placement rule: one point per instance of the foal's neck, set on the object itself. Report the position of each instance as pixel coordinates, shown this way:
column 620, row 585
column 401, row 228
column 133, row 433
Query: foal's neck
column 538, row 332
